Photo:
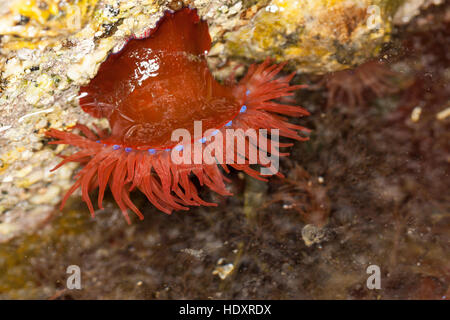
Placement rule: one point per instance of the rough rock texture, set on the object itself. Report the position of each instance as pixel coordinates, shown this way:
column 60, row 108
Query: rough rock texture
column 410, row 9
column 315, row 36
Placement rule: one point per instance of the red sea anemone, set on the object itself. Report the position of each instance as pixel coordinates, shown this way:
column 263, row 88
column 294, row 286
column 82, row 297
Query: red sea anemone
column 162, row 83
column 350, row 86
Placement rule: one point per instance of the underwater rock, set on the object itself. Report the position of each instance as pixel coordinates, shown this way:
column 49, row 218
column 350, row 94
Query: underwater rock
column 35, row 19
column 314, row 36
column 412, row 8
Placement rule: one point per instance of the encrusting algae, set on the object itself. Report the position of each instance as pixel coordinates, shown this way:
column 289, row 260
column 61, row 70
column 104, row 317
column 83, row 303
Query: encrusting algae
column 315, row 36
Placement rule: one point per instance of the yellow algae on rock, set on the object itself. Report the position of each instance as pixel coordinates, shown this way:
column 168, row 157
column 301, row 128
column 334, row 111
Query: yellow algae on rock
column 33, row 18
column 315, row 36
